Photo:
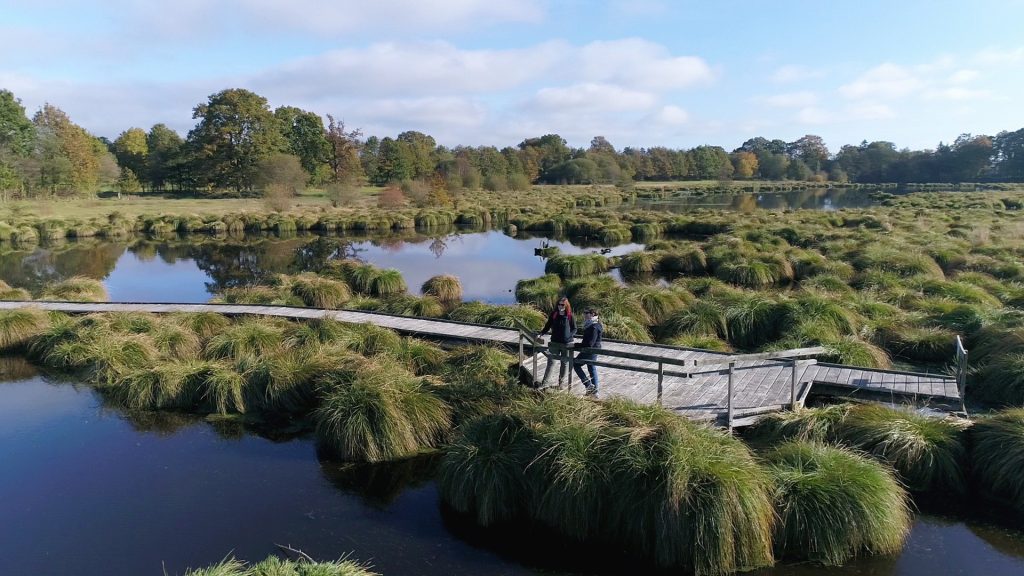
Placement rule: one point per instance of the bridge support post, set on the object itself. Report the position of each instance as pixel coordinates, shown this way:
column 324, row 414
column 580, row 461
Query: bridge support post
column 732, row 370
column 792, row 385
column 522, row 356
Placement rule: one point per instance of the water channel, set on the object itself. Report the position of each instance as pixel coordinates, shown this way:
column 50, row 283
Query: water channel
column 90, row 489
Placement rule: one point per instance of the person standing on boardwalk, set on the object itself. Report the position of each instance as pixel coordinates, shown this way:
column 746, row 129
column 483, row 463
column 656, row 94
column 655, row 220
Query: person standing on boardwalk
column 593, row 331
column 562, row 325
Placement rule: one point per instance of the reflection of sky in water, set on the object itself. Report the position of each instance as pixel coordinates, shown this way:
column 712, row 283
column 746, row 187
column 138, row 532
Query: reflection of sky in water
column 155, row 280
column 488, row 263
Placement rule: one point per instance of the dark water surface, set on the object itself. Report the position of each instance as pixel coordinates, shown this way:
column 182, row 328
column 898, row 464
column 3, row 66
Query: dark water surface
column 191, row 270
column 89, row 491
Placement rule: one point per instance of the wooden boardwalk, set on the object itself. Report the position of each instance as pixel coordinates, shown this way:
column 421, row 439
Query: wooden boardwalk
column 694, row 382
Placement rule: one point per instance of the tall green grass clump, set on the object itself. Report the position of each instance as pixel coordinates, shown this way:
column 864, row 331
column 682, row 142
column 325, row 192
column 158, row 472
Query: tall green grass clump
column 387, row 283
column 18, row 326
column 636, row 476
column 834, row 504
column 997, row 455
column 929, row 454
column 1000, row 380
column 576, row 266
column 274, row 566
column 248, row 337
column 805, row 425
column 542, row 293
column 445, row 287
column 318, row 292
column 384, row 413
column 76, row 289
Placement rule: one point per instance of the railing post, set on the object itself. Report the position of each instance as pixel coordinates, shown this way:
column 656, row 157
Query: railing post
column 661, row 379
column 522, row 356
column 732, row 369
column 792, row 386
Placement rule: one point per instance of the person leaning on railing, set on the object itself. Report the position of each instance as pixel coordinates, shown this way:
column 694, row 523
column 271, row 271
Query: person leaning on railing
column 562, row 325
column 593, row 331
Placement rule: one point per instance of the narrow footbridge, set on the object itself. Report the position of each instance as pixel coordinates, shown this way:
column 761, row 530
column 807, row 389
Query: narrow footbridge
column 726, row 389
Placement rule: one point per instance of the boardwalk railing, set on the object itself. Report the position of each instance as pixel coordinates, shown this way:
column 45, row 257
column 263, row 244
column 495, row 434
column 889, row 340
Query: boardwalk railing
column 726, row 363
column 961, row 370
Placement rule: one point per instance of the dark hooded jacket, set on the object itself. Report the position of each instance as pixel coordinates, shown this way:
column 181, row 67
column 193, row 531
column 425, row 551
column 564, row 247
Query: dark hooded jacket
column 562, row 327
column 593, row 334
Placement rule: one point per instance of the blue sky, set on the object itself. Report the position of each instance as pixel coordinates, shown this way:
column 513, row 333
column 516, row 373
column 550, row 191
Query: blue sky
column 640, row 73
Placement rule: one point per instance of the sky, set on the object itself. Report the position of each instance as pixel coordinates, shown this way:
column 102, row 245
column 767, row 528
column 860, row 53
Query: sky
column 640, row 73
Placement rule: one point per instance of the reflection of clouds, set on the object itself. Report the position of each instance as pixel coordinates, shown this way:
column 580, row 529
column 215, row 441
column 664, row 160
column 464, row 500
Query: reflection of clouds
column 141, row 280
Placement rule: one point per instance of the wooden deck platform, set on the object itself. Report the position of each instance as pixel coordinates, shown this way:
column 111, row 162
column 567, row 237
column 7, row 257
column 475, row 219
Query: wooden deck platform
column 699, row 392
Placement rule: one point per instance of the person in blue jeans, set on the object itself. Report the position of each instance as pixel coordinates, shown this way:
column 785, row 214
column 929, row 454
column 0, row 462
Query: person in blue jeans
column 593, row 330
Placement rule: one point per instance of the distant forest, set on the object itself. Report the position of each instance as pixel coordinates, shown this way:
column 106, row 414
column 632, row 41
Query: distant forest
column 240, row 145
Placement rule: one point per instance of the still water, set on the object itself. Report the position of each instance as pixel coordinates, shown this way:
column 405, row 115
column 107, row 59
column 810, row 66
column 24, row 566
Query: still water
column 90, row 490
column 827, row 199
column 488, row 263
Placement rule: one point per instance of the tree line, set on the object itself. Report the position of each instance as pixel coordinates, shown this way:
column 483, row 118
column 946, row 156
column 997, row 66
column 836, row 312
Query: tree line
column 240, row 144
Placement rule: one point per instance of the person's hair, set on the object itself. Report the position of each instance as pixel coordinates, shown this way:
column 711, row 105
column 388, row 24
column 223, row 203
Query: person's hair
column 590, row 310
column 568, row 307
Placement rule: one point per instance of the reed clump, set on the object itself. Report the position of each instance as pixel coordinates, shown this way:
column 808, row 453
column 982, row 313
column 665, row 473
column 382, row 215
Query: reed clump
column 674, row 492
column 834, row 504
column 274, row 566
column 997, row 455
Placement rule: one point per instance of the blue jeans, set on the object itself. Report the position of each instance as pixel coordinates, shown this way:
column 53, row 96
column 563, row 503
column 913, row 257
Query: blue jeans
column 586, row 358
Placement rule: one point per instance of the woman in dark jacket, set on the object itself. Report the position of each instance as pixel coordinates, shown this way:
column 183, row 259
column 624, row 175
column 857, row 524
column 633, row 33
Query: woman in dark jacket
column 593, row 332
column 563, row 330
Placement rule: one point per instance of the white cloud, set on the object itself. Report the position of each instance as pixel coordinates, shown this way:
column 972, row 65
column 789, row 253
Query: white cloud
column 870, row 111
column 958, row 94
column 591, row 98
column 423, row 69
column 800, row 99
column 963, row 76
column 641, row 64
column 813, row 115
column 1000, row 57
column 670, row 116
column 884, row 81
column 795, row 73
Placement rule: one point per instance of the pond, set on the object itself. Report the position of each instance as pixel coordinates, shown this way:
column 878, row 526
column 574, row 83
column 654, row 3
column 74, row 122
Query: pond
column 488, row 263
column 95, row 490
column 827, row 199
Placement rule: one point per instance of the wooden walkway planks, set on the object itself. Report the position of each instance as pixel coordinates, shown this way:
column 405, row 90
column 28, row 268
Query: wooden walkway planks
column 757, row 386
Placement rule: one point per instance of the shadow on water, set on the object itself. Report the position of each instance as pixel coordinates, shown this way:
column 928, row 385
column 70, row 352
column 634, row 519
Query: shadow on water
column 81, row 479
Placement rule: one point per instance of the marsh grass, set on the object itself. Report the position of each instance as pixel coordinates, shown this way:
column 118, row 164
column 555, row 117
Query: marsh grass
column 576, row 266
column 318, row 292
column 805, row 425
column 997, row 455
column 248, row 337
column 929, row 454
column 18, row 326
column 383, row 414
column 76, row 289
column 445, row 287
column 834, row 504
column 542, row 292
column 274, row 566
column 637, row 476
column 1000, row 380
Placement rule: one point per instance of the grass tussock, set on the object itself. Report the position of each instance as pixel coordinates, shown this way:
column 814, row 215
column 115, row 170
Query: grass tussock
column 274, row 566
column 679, row 494
column 834, row 504
column 385, row 413
column 445, row 287
column 77, row 289
column 997, row 453
column 18, row 326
